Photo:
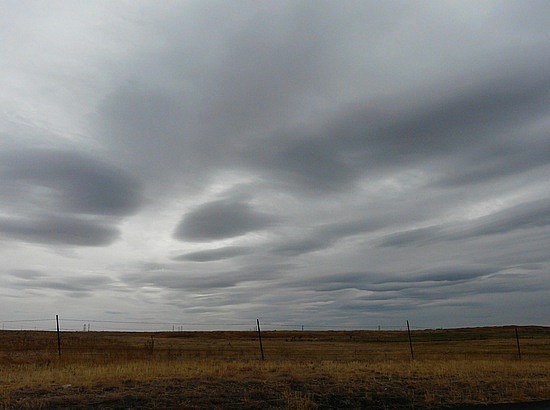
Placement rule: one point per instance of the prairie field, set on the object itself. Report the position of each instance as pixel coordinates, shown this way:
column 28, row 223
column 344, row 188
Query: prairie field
column 451, row 368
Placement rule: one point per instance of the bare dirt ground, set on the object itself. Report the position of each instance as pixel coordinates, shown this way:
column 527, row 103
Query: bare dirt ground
column 538, row 405
column 219, row 394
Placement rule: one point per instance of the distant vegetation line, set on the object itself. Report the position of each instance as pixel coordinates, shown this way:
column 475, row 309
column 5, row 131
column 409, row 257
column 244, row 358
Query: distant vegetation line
column 70, row 324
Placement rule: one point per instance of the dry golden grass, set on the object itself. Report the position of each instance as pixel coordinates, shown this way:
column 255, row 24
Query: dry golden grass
column 302, row 370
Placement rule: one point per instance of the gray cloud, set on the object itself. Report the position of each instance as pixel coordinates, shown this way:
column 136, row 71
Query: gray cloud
column 50, row 229
column 26, row 274
column 386, row 285
column 313, row 163
column 248, row 92
column 221, row 219
column 69, row 181
column 383, row 136
column 64, row 197
column 418, row 237
column 295, row 247
column 524, row 216
column 324, row 236
column 196, row 291
column 82, row 284
column 230, row 87
column 497, row 160
column 450, row 274
column 213, row 254
column 173, row 278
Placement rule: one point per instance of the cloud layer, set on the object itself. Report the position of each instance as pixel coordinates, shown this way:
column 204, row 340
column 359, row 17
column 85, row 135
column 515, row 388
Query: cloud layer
column 338, row 165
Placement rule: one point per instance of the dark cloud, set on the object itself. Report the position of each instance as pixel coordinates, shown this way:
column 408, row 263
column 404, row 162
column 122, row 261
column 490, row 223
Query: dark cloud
column 232, row 109
column 70, row 182
column 245, row 99
column 312, row 163
column 413, row 237
column 213, row 290
column 226, row 218
column 451, row 274
column 534, row 214
column 384, row 136
column 465, row 120
column 147, row 128
column 523, row 216
column 436, row 288
column 384, row 285
column 326, row 235
column 341, row 281
column 243, row 76
column 295, row 247
column 55, row 230
column 174, row 279
column 82, row 284
column 213, row 254
column 64, row 197
column 26, row 274
column 497, row 160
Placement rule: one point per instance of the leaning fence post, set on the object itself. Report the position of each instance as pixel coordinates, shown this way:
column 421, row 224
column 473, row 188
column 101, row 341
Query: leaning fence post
column 410, row 340
column 260, row 338
column 58, row 336
column 517, row 342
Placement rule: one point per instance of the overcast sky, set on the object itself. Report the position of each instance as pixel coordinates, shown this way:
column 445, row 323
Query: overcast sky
column 343, row 164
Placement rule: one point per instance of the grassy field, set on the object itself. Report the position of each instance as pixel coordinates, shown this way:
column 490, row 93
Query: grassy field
column 301, row 370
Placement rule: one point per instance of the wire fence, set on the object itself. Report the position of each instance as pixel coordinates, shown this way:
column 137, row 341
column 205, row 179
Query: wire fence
column 82, row 339
column 148, row 325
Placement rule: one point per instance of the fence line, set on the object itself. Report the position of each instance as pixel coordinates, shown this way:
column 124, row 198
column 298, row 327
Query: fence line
column 69, row 324
column 76, row 324
column 299, row 345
